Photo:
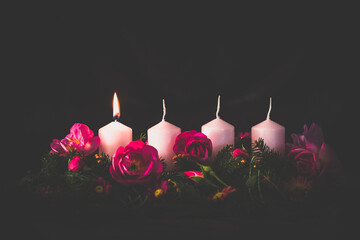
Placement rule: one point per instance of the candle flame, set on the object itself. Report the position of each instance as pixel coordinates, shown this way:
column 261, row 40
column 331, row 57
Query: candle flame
column 116, row 107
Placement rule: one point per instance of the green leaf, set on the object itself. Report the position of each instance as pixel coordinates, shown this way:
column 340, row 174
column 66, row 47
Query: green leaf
column 205, row 181
column 197, row 179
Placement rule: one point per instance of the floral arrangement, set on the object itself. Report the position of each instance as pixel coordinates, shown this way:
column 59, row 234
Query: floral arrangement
column 240, row 176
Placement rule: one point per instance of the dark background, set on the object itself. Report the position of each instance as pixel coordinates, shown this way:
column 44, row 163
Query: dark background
column 62, row 64
column 65, row 62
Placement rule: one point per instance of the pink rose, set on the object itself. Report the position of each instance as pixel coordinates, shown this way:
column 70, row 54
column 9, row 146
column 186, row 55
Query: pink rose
column 193, row 144
column 80, row 138
column 311, row 155
column 239, row 153
column 137, row 163
column 76, row 164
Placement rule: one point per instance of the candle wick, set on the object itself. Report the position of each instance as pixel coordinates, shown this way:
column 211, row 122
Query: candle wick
column 218, row 107
column 268, row 114
column 164, row 110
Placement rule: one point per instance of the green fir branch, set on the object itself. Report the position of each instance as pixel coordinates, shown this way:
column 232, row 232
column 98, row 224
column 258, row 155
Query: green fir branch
column 142, row 137
column 231, row 170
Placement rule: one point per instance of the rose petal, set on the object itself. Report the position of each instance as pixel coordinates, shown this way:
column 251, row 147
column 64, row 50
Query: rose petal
column 119, row 152
column 314, row 134
column 76, row 164
column 91, row 145
column 239, row 153
column 57, row 147
column 135, row 146
column 194, row 174
column 81, row 132
column 148, row 165
column 147, row 170
column 298, row 140
column 181, row 140
column 200, row 135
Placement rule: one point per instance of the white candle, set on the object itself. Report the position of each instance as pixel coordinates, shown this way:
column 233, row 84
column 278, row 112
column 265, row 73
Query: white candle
column 219, row 132
column 114, row 134
column 162, row 137
column 272, row 133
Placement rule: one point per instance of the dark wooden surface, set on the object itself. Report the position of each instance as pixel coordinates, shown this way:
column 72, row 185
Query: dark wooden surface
column 328, row 217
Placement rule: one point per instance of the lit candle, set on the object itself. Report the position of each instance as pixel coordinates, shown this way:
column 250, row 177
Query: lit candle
column 272, row 133
column 219, row 132
column 162, row 137
column 114, row 134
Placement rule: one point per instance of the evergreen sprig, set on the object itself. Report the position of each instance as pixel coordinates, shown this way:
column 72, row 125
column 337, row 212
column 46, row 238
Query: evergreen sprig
column 228, row 168
column 271, row 162
column 185, row 163
column 256, row 178
column 53, row 164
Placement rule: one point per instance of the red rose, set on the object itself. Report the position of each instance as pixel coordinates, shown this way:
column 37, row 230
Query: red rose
column 137, row 163
column 307, row 162
column 194, row 144
column 312, row 156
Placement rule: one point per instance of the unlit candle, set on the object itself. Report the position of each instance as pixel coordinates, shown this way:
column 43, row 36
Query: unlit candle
column 219, row 132
column 162, row 137
column 271, row 132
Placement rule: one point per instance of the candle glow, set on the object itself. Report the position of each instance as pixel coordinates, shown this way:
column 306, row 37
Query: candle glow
column 114, row 134
column 116, row 107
